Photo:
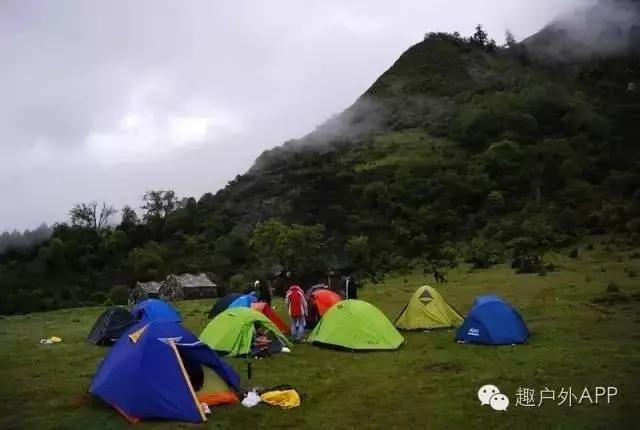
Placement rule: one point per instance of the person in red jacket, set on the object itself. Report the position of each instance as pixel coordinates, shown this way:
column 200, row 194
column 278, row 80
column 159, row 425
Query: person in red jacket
column 297, row 307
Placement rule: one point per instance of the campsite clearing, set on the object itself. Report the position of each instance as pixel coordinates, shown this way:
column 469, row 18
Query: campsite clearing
column 582, row 336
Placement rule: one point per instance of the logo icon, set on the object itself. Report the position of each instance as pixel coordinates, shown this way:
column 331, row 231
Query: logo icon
column 499, row 402
column 491, row 395
column 473, row 332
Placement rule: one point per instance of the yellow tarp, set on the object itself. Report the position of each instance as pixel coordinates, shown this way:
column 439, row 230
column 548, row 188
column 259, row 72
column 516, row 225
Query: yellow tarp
column 285, row 399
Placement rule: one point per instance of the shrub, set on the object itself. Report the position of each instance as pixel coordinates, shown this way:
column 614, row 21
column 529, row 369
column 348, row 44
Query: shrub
column 119, row 294
column 590, row 247
column 574, row 253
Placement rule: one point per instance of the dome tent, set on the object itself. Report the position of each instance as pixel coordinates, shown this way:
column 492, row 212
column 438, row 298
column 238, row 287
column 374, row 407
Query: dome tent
column 159, row 370
column 320, row 299
column 155, row 309
column 222, row 304
column 323, row 298
column 232, row 331
column 244, row 301
column 427, row 310
column 268, row 311
column 357, row 325
column 110, row 325
column 492, row 321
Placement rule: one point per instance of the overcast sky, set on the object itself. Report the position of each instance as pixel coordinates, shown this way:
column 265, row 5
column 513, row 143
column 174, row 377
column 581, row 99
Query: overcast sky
column 102, row 100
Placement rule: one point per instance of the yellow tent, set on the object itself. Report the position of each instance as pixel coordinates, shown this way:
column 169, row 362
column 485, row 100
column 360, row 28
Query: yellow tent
column 427, row 310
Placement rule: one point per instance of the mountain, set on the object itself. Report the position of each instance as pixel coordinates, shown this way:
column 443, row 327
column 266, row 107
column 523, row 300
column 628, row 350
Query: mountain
column 605, row 28
column 460, row 151
column 456, row 141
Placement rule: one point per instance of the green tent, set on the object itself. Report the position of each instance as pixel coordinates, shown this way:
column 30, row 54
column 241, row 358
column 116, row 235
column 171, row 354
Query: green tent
column 231, row 332
column 355, row 324
column 427, row 310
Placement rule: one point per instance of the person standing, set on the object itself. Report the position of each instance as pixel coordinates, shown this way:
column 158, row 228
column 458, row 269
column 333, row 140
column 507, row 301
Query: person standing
column 297, row 307
column 351, row 288
column 263, row 291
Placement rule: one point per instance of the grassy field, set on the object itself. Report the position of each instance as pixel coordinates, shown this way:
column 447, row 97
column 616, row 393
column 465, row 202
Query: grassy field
column 582, row 336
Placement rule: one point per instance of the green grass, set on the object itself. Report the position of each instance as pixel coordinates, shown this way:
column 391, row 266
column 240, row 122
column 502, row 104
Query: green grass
column 402, row 148
column 430, row 382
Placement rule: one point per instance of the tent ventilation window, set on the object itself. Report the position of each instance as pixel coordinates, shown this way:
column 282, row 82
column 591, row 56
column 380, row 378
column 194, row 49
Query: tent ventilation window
column 425, row 296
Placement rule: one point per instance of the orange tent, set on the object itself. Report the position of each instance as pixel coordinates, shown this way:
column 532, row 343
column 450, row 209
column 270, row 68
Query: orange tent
column 323, row 298
column 271, row 314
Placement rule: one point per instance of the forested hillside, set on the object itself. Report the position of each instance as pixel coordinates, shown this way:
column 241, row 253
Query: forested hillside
column 461, row 151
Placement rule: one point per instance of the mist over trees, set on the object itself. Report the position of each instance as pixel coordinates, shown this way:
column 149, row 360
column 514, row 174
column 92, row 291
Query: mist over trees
column 25, row 239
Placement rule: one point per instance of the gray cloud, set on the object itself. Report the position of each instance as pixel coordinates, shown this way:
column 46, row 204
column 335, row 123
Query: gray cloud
column 597, row 28
column 102, row 100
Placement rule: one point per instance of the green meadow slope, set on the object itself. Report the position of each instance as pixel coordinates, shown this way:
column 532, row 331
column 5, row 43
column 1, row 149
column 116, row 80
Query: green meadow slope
column 582, row 336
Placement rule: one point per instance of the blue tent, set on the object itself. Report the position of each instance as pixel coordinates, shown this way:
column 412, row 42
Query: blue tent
column 155, row 309
column 485, row 298
column 155, row 370
column 244, row 301
column 492, row 321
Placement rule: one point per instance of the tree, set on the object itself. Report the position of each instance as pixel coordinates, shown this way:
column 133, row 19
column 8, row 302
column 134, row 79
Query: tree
column 184, row 218
column 129, row 217
column 510, row 40
column 292, row 246
column 480, row 37
column 157, row 207
column 206, row 203
column 361, row 253
column 158, row 204
column 87, row 215
column 147, row 263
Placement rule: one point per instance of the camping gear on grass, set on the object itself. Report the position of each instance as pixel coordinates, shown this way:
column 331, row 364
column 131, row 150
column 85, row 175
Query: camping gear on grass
column 50, row 340
column 357, row 325
column 159, row 370
column 110, row 325
column 492, row 321
column 427, row 310
column 320, row 298
column 251, row 399
column 268, row 311
column 286, row 399
column 233, row 330
column 222, row 304
column 155, row 309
